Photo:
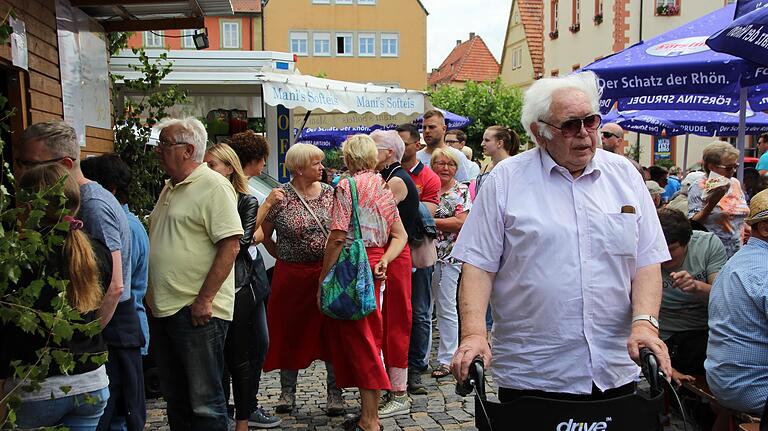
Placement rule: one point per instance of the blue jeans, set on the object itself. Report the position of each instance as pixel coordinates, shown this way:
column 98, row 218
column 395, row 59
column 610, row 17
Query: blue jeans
column 421, row 328
column 74, row 412
column 191, row 363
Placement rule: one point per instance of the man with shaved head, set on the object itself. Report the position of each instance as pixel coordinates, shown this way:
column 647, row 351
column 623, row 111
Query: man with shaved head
column 612, row 134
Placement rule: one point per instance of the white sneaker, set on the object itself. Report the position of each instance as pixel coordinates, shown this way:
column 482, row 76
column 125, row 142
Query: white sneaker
column 395, row 406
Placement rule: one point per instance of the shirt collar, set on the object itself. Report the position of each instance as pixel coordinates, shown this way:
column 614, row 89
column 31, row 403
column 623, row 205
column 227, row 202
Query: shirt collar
column 549, row 164
column 417, row 168
column 757, row 242
column 198, row 172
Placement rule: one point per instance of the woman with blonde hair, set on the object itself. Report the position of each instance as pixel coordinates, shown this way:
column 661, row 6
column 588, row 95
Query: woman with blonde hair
column 450, row 215
column 721, row 209
column 300, row 214
column 86, row 265
column 223, row 159
column 355, row 346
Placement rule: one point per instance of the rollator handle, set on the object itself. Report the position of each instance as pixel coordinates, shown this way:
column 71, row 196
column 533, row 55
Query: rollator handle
column 475, row 380
column 650, row 367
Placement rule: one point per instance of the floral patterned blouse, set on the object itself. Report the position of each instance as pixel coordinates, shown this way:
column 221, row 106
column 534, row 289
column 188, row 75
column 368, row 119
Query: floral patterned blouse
column 299, row 237
column 727, row 218
column 454, row 201
column 377, row 210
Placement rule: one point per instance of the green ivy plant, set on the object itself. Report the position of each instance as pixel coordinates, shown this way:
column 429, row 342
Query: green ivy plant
column 487, row 104
column 133, row 127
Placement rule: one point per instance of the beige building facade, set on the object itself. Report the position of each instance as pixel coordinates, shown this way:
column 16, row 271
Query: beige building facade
column 574, row 33
column 378, row 41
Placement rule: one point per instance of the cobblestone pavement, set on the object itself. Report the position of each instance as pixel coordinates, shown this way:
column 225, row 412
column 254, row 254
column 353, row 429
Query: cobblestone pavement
column 441, row 409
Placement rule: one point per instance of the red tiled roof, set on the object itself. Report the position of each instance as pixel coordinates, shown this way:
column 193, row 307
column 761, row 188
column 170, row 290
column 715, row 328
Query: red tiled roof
column 532, row 15
column 469, row 61
column 241, row 6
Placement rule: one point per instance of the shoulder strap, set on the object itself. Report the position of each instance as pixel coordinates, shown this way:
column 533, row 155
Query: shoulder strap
column 355, row 220
column 306, row 205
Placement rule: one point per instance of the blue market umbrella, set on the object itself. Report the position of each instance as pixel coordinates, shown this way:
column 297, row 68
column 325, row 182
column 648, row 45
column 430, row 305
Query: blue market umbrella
column 681, row 122
column 747, row 37
column 677, row 70
column 644, row 122
column 333, row 137
column 453, row 121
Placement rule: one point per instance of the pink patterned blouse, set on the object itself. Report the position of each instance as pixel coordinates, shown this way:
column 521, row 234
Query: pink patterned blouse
column 377, row 210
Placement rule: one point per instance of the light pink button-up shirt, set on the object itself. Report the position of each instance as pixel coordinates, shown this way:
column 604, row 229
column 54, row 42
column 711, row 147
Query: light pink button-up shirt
column 564, row 257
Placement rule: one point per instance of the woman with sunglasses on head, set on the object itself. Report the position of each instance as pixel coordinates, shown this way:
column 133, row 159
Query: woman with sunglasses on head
column 86, row 265
column 498, row 144
column 450, row 215
column 720, row 205
column 223, row 159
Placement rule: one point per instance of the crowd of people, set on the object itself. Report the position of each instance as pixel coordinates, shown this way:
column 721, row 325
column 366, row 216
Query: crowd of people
column 576, row 257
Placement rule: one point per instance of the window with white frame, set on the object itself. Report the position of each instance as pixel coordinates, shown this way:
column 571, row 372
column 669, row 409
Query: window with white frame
column 321, row 44
column 321, row 1
column 390, row 44
column 665, row 3
column 517, row 57
column 343, row 1
column 154, row 39
column 230, row 35
column 298, row 42
column 187, row 42
column 366, row 44
column 344, row 46
column 367, row 2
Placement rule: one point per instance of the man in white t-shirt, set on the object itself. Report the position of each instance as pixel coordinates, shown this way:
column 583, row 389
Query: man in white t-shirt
column 434, row 136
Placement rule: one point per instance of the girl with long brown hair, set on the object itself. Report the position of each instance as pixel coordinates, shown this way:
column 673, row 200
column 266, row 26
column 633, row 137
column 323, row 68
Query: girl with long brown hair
column 86, row 266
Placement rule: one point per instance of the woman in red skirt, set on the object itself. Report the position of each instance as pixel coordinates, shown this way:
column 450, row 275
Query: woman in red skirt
column 301, row 216
column 397, row 294
column 355, row 346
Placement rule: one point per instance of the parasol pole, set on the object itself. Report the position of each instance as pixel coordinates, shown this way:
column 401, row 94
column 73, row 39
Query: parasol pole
column 685, row 153
column 742, row 131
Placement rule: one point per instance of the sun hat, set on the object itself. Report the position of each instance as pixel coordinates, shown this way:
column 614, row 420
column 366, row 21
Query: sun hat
column 758, row 208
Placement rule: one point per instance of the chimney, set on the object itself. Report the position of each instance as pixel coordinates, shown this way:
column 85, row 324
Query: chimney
column 471, row 35
column 458, row 42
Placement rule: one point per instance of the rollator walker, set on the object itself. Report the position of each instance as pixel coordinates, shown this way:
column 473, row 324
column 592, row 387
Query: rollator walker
column 633, row 412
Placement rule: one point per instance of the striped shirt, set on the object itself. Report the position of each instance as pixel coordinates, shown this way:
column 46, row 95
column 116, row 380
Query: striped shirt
column 737, row 353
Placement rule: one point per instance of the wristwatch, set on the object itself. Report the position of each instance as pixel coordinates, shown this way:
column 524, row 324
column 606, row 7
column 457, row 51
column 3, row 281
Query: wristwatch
column 647, row 317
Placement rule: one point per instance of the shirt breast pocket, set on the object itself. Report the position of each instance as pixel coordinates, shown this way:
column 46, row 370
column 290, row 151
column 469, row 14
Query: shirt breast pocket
column 621, row 230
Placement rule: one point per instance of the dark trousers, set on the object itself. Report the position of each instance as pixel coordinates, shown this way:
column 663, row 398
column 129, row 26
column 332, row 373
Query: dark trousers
column 688, row 350
column 126, row 404
column 506, row 395
column 421, row 312
column 191, row 363
column 259, row 345
column 236, row 352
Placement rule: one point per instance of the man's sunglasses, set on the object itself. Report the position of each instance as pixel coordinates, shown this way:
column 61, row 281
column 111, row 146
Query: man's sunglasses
column 609, row 135
column 572, row 127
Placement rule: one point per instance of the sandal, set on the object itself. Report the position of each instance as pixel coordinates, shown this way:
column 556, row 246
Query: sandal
column 441, row 371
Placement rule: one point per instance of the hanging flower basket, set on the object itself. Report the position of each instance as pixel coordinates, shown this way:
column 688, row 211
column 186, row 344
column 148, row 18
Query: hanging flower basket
column 575, row 28
column 598, row 19
column 553, row 34
column 668, row 10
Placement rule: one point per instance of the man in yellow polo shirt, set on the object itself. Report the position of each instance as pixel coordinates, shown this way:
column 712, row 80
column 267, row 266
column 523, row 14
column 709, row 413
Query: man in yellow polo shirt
column 194, row 234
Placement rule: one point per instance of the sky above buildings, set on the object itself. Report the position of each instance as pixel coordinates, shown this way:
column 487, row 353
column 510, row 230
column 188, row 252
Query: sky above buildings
column 451, row 20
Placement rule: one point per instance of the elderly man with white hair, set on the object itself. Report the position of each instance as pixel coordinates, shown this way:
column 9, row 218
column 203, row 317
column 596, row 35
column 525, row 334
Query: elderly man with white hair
column 565, row 242
column 194, row 231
